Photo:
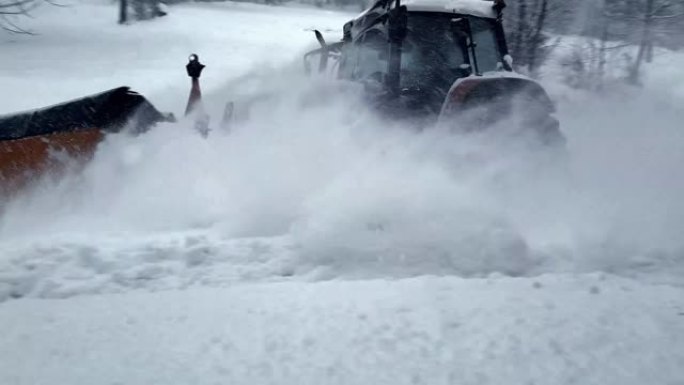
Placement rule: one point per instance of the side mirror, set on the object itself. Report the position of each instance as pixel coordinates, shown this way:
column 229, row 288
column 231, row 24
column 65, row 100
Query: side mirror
column 323, row 63
column 319, row 37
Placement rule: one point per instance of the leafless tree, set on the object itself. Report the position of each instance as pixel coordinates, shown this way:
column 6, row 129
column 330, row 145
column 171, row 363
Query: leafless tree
column 526, row 27
column 142, row 10
column 11, row 10
column 645, row 23
column 536, row 48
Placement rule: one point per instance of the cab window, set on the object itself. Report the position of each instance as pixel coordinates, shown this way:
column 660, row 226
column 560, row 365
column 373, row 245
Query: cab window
column 372, row 52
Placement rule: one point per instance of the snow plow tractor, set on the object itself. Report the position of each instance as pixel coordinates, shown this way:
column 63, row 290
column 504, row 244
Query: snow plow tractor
column 428, row 62
column 437, row 61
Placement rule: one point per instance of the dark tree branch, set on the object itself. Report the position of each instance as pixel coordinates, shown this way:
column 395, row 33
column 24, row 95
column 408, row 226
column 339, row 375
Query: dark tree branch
column 9, row 26
column 662, row 6
column 14, row 8
column 15, row 4
column 56, row 4
column 668, row 17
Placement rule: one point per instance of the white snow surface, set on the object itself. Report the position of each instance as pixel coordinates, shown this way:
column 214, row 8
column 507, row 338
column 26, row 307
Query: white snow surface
column 317, row 244
column 550, row 330
column 82, row 47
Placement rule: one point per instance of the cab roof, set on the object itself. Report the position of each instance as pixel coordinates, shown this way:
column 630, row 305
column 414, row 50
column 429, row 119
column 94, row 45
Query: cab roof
column 478, row 8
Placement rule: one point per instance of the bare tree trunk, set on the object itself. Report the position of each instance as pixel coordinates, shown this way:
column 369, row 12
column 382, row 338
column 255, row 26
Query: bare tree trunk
column 601, row 72
column 645, row 42
column 649, row 52
column 535, row 44
column 521, row 32
column 123, row 12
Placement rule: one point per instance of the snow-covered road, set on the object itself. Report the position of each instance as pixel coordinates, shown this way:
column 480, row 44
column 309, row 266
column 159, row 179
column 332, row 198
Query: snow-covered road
column 315, row 244
column 550, row 330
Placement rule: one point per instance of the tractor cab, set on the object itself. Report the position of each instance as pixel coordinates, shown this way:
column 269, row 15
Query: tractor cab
column 415, row 51
column 433, row 59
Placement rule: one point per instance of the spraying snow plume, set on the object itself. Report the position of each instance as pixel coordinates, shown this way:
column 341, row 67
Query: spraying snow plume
column 324, row 188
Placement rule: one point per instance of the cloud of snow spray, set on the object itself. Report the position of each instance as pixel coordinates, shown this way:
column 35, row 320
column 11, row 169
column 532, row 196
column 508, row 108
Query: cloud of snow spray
column 358, row 197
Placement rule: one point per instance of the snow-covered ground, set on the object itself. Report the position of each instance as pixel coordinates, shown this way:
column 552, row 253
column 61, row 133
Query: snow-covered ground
column 314, row 244
column 549, row 330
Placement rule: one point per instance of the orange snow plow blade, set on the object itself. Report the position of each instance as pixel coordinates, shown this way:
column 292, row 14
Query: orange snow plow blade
column 43, row 140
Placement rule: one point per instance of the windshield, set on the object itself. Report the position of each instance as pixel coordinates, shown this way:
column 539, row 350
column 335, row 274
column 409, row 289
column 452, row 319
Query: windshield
column 432, row 56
